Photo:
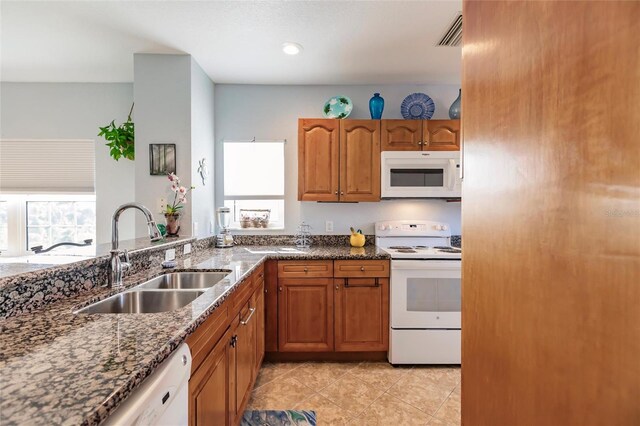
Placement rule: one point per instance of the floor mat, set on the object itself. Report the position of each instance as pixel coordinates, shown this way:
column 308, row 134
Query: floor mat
column 278, row 418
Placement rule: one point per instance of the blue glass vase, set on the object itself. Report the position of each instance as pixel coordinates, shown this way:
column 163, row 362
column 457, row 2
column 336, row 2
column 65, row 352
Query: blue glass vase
column 454, row 109
column 376, row 105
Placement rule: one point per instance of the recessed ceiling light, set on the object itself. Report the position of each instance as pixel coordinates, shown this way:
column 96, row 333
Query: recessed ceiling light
column 291, row 48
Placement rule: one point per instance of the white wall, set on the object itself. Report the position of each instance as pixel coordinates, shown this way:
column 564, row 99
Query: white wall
column 74, row 111
column 162, row 92
column 202, row 139
column 271, row 112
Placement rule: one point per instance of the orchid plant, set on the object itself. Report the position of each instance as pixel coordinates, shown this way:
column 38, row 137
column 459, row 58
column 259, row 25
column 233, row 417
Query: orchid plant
column 179, row 197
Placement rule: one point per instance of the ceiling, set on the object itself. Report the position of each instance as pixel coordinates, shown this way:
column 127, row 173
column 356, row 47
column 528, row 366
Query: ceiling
column 345, row 42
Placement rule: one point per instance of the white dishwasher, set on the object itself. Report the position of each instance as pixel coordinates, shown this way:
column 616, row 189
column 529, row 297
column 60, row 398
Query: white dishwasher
column 162, row 399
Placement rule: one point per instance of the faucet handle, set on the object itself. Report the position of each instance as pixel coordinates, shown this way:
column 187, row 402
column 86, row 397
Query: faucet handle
column 127, row 261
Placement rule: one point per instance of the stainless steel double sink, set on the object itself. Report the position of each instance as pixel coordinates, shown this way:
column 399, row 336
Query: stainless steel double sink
column 164, row 293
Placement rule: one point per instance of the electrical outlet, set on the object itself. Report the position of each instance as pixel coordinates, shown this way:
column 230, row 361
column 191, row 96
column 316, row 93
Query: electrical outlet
column 161, row 204
column 187, row 249
column 328, row 226
column 169, row 255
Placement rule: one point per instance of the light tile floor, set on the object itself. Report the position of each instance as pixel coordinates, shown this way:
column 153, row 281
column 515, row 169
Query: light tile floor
column 366, row 393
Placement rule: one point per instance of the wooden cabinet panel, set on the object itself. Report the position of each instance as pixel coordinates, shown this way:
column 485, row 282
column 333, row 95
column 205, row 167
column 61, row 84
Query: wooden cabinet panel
column 245, row 352
column 401, row 135
column 361, row 314
column 271, row 305
column 258, row 303
column 359, row 160
column 318, row 157
column 305, row 314
column 441, row 135
column 209, row 388
column 305, row 269
column 361, row 268
column 202, row 341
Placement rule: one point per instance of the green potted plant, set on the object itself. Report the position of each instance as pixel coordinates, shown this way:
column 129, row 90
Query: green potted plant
column 120, row 139
column 172, row 211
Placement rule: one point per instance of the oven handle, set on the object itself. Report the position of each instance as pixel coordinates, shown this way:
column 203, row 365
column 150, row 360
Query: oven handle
column 451, row 265
column 376, row 283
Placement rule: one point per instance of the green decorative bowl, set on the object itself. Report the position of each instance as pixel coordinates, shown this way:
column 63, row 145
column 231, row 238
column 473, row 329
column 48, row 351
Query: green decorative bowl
column 337, row 107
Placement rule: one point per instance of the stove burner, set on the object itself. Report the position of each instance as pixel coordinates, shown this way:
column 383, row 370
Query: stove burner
column 420, row 247
column 450, row 250
column 400, row 248
column 443, row 247
column 406, row 250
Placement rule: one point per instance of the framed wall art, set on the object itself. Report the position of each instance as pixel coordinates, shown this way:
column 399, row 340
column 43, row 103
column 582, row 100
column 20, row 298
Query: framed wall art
column 162, row 158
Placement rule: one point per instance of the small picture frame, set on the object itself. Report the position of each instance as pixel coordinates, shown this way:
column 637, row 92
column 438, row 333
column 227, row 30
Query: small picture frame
column 162, row 158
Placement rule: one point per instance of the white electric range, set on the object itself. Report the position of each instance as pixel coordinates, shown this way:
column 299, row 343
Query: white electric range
column 425, row 292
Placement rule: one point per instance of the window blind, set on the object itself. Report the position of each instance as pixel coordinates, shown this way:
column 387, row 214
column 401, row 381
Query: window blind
column 47, row 166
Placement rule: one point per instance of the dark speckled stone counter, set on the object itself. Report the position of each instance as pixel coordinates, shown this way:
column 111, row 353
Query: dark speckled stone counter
column 61, row 368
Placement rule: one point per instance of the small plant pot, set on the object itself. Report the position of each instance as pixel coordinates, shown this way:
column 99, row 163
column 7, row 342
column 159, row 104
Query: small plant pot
column 173, row 224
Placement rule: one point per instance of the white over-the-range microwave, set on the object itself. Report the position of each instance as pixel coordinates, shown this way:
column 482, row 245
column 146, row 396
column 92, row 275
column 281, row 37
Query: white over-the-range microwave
column 420, row 174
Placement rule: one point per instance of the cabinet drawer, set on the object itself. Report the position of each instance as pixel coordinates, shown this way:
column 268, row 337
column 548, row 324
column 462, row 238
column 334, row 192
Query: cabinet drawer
column 207, row 334
column 240, row 296
column 361, row 268
column 305, row 269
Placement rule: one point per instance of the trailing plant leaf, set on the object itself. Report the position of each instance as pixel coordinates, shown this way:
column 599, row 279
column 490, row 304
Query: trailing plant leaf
column 120, row 139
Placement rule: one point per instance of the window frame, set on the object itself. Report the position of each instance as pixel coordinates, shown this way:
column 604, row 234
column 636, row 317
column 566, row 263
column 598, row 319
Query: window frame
column 17, row 217
column 234, row 225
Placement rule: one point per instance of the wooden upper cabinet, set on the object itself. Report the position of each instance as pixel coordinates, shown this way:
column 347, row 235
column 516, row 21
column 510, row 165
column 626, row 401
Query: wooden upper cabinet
column 401, row 135
column 359, row 160
column 305, row 314
column 441, row 135
column 318, row 156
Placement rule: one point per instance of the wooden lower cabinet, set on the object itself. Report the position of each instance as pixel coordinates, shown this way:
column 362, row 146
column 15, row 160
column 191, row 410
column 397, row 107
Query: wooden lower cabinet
column 361, row 314
column 305, row 314
column 209, row 387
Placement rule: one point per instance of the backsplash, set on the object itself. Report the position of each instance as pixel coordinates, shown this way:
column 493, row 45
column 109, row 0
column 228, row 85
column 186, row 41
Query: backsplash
column 290, row 240
column 31, row 291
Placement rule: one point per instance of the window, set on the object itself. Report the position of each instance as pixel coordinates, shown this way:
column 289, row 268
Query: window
column 254, row 184
column 47, row 193
column 29, row 220
column 4, row 228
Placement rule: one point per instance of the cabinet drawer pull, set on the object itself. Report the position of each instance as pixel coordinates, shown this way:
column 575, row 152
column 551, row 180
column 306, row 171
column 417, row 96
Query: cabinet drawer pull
column 245, row 322
column 376, row 283
column 234, row 341
column 306, row 270
column 280, row 288
column 362, row 268
column 337, row 287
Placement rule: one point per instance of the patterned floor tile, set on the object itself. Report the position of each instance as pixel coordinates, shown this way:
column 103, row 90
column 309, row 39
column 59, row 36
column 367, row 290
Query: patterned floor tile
column 423, row 395
column 444, row 377
column 450, row 410
column 388, row 410
column 327, row 413
column 381, row 375
column 281, row 394
column 351, row 393
column 271, row 371
column 319, row 375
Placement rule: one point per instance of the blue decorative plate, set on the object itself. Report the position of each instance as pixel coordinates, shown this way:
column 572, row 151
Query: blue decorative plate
column 337, row 107
column 417, row 106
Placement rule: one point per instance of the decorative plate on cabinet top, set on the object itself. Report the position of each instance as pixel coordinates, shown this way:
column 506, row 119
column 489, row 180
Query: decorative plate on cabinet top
column 417, row 106
column 337, row 107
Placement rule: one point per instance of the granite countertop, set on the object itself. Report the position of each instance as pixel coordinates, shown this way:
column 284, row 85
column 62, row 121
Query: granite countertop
column 61, row 368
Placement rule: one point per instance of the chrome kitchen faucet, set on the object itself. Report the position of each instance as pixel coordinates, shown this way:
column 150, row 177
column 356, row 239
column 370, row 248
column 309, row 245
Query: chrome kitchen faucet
column 117, row 265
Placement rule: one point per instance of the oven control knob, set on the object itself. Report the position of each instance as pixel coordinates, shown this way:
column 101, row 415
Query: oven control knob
column 382, row 227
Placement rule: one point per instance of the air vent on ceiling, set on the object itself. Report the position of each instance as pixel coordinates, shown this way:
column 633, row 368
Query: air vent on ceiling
column 453, row 35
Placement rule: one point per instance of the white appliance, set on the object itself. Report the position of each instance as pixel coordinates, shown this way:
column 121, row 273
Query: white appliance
column 162, row 399
column 425, row 292
column 420, row 174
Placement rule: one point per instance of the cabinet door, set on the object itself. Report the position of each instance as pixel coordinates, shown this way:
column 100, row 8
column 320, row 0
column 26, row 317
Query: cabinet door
column 271, row 305
column 362, row 314
column 318, row 159
column 209, row 387
column 359, row 160
column 441, row 135
column 401, row 135
column 259, row 314
column 305, row 315
column 245, row 349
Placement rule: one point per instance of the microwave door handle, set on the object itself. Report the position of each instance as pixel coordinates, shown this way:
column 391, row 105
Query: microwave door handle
column 452, row 174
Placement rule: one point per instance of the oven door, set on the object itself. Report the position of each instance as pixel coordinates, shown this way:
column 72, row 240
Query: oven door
column 420, row 174
column 425, row 294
